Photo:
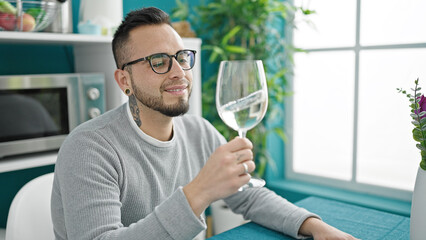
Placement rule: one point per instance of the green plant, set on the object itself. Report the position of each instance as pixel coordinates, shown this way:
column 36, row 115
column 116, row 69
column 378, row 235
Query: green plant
column 418, row 113
column 181, row 11
column 240, row 29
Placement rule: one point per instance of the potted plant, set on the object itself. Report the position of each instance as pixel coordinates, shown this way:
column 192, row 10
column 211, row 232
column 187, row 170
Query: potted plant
column 237, row 30
column 418, row 114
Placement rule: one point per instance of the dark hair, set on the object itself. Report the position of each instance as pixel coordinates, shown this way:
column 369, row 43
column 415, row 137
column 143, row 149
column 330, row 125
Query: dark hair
column 136, row 18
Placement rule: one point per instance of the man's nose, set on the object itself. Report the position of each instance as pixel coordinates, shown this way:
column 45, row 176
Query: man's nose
column 176, row 70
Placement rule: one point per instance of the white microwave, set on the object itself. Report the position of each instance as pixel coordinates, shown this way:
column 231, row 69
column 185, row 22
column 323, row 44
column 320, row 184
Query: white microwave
column 37, row 112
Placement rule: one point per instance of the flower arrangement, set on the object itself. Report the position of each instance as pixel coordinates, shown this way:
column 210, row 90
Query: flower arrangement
column 418, row 113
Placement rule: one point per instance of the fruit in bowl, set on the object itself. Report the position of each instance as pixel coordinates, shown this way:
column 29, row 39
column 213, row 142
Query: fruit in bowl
column 26, row 16
column 9, row 21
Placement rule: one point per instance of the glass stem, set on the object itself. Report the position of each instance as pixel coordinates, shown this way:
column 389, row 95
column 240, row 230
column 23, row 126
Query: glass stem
column 242, row 133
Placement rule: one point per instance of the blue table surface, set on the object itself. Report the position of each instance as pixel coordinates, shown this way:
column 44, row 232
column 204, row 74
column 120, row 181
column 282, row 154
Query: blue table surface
column 363, row 223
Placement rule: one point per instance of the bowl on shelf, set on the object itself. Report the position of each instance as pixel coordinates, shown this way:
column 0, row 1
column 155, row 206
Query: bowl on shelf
column 26, row 16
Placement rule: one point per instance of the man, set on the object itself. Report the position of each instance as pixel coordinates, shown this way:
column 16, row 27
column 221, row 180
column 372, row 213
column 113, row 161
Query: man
column 147, row 171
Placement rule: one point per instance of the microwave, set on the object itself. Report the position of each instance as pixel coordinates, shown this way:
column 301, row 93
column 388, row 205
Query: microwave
column 37, row 112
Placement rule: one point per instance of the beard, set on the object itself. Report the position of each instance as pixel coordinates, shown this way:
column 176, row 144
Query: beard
column 157, row 102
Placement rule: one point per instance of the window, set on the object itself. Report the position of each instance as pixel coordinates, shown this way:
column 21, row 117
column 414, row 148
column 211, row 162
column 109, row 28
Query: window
column 349, row 126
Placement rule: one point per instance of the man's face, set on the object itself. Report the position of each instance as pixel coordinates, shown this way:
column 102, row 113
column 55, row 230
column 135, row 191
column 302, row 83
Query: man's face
column 166, row 93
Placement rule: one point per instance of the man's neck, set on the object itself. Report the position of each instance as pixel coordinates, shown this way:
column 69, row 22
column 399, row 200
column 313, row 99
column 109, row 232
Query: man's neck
column 155, row 124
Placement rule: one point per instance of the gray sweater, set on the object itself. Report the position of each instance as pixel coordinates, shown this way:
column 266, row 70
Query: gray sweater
column 112, row 181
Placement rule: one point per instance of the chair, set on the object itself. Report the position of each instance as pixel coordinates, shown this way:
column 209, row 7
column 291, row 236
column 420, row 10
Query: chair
column 29, row 214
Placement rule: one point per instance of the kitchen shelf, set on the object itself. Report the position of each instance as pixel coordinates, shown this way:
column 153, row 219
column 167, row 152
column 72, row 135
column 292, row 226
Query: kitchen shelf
column 52, row 38
column 28, row 161
column 65, row 39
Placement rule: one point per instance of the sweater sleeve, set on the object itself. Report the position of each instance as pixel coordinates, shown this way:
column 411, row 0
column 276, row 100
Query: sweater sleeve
column 266, row 208
column 87, row 192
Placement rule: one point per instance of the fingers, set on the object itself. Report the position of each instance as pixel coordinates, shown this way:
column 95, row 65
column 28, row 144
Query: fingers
column 224, row 172
column 244, row 160
column 243, row 155
column 246, row 167
column 237, row 144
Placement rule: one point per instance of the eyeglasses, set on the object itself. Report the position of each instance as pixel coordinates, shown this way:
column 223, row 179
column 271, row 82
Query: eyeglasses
column 161, row 63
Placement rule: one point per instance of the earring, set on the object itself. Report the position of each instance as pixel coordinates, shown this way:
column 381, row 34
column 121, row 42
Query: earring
column 127, row 91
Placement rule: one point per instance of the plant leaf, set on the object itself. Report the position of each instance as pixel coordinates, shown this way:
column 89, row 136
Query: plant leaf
column 423, row 165
column 417, row 135
column 419, row 146
column 281, row 134
column 261, row 166
column 235, row 49
column 230, row 35
column 415, row 123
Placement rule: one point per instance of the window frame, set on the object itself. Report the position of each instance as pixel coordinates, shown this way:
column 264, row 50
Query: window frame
column 352, row 184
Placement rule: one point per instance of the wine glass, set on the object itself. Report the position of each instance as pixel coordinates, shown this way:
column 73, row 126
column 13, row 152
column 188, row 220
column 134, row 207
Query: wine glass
column 242, row 99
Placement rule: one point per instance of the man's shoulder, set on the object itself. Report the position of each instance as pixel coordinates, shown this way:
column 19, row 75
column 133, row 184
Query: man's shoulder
column 103, row 121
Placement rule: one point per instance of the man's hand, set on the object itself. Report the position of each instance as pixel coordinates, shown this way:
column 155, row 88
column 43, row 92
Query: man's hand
column 223, row 174
column 320, row 230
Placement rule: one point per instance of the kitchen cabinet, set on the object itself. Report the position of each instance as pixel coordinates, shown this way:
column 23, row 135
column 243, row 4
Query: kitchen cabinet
column 91, row 54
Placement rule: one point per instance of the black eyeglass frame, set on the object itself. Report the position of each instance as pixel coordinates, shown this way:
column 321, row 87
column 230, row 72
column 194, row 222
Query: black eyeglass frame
column 165, row 54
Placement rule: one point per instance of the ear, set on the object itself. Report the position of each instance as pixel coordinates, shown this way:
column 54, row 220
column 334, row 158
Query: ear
column 123, row 79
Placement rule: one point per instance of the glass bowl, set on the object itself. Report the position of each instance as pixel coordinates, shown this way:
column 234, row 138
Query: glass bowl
column 26, row 16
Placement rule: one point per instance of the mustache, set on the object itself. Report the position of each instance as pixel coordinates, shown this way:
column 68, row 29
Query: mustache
column 176, row 82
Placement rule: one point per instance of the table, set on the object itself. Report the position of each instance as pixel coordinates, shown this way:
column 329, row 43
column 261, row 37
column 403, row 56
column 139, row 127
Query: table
column 361, row 222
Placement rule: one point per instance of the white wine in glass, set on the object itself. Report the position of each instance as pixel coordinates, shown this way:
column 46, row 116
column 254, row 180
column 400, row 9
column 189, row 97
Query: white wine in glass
column 242, row 98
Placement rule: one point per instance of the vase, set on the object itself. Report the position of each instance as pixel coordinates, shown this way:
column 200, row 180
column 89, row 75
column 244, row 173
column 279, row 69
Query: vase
column 418, row 208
